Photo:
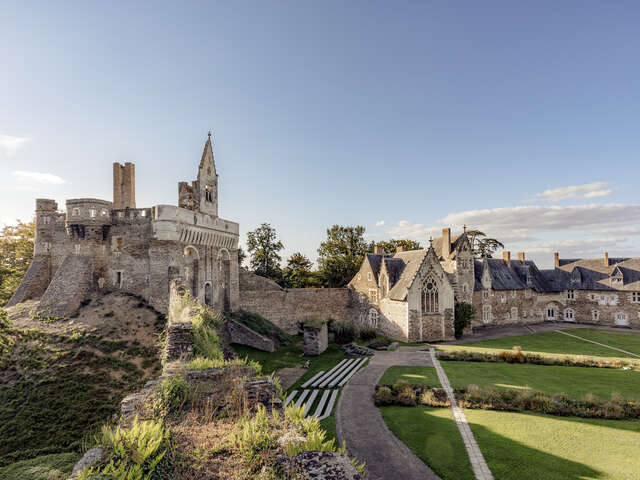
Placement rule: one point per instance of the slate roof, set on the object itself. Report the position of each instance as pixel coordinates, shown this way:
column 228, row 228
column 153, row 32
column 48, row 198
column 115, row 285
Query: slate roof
column 574, row 274
column 411, row 261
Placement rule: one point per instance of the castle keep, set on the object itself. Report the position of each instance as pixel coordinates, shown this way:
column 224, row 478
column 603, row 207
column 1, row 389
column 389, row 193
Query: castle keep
column 98, row 245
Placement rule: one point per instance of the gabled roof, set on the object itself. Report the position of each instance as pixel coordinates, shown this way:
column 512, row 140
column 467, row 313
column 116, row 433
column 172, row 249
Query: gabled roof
column 411, row 261
column 456, row 242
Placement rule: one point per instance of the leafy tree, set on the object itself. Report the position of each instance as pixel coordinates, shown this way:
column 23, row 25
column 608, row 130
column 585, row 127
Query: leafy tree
column 464, row 313
column 263, row 246
column 390, row 246
column 298, row 273
column 482, row 245
column 16, row 253
column 241, row 256
column 341, row 254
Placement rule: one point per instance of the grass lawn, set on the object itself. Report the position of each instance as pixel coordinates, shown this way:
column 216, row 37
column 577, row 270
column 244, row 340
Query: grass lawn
column 411, row 375
column 47, row 467
column 286, row 356
column 528, row 446
column 574, row 381
column 629, row 341
column 433, row 436
column 548, row 343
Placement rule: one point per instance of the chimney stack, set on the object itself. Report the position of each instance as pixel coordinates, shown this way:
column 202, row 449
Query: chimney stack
column 556, row 260
column 446, row 242
column 124, row 186
column 606, row 259
column 506, row 256
column 521, row 256
column 400, row 248
column 378, row 250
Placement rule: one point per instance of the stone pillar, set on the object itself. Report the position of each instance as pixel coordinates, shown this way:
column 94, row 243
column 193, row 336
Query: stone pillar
column 316, row 339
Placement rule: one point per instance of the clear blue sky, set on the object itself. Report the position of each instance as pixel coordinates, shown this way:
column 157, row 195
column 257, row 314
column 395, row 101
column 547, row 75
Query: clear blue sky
column 416, row 114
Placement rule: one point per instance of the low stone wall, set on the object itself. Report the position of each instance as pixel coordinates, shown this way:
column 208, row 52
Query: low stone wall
column 286, row 308
column 242, row 335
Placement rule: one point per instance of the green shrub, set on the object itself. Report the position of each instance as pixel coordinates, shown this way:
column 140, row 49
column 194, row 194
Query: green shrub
column 464, row 313
column 367, row 333
column 4, row 319
column 173, row 393
column 343, row 333
column 384, row 396
column 135, row 453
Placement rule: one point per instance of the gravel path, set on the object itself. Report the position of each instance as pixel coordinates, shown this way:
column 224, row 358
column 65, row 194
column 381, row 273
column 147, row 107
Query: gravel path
column 360, row 423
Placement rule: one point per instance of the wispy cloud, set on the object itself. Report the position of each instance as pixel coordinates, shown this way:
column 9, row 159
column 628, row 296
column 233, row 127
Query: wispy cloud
column 586, row 191
column 10, row 144
column 37, row 177
column 413, row 231
column 379, row 223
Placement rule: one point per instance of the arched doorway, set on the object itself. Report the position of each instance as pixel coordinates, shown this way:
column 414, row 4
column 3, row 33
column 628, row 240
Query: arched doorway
column 224, row 265
column 208, row 294
column 191, row 263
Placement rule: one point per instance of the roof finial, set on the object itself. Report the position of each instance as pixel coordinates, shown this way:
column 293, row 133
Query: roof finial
column 430, row 241
column 464, row 227
column 209, row 134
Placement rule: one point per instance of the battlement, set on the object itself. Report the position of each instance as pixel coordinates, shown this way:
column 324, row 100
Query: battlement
column 183, row 225
column 88, row 211
column 45, row 205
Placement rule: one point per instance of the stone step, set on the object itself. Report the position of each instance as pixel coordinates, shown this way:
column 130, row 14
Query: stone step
column 328, row 374
column 346, row 366
column 312, row 379
column 332, row 401
column 347, row 373
column 309, row 402
column 346, row 379
column 321, row 403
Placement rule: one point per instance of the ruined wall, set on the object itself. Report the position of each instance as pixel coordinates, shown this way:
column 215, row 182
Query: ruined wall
column 70, row 285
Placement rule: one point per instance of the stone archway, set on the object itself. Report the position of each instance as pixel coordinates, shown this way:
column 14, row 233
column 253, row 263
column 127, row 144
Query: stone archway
column 191, row 266
column 224, row 266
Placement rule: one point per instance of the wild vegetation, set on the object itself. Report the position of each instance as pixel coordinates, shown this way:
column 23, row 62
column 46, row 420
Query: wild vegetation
column 16, row 252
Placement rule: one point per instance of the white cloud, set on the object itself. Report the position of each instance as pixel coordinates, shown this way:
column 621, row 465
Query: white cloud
column 525, row 220
column 11, row 144
column 589, row 190
column 618, row 231
column 379, row 223
column 37, row 177
column 413, row 231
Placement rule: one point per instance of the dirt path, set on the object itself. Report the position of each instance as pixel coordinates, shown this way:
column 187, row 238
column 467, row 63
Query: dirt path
column 360, row 423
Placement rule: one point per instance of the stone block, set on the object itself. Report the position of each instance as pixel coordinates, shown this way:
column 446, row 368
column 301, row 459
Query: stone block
column 316, row 339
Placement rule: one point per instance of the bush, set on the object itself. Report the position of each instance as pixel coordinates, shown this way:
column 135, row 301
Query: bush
column 405, row 395
column 344, row 333
column 464, row 313
column 435, row 397
column 135, row 453
column 4, row 319
column 367, row 333
column 384, row 396
column 174, row 392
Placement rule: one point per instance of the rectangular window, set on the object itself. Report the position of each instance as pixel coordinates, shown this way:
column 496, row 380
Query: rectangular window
column 635, row 297
column 503, row 298
column 373, row 295
column 571, row 294
column 486, row 314
column 485, row 295
column 75, row 212
column 595, row 315
column 119, row 279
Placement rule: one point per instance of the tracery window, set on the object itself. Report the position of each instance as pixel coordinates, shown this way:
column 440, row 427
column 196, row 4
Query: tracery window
column 430, row 296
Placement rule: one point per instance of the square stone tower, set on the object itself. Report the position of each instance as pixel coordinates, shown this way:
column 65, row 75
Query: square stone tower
column 124, row 186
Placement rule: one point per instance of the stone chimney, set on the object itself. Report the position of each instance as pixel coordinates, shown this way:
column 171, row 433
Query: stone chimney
column 521, row 256
column 378, row 250
column 400, row 248
column 556, row 260
column 506, row 256
column 124, row 186
column 446, row 242
column 606, row 259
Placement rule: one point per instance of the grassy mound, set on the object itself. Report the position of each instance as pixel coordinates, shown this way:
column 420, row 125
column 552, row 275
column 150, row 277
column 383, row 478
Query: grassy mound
column 60, row 381
column 47, row 467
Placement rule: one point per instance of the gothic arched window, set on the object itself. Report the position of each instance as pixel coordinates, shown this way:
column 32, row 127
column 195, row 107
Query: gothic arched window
column 430, row 296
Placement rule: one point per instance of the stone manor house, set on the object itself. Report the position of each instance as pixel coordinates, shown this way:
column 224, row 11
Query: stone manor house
column 112, row 245
column 413, row 293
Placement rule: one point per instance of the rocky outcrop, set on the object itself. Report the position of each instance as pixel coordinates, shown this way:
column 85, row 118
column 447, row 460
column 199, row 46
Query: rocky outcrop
column 319, row 466
column 89, row 458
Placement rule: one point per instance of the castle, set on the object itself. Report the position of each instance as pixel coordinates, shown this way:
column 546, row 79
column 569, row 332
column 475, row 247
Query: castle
column 413, row 294
column 98, row 245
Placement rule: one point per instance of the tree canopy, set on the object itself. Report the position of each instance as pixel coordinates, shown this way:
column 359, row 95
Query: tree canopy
column 341, row 254
column 299, row 274
column 390, row 246
column 482, row 245
column 16, row 253
column 264, row 248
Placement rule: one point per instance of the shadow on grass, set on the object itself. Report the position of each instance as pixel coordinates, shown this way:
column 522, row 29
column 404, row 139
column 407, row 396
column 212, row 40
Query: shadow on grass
column 433, row 436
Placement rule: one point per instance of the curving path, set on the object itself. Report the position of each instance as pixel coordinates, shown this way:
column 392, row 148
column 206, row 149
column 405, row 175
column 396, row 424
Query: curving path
column 360, row 423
